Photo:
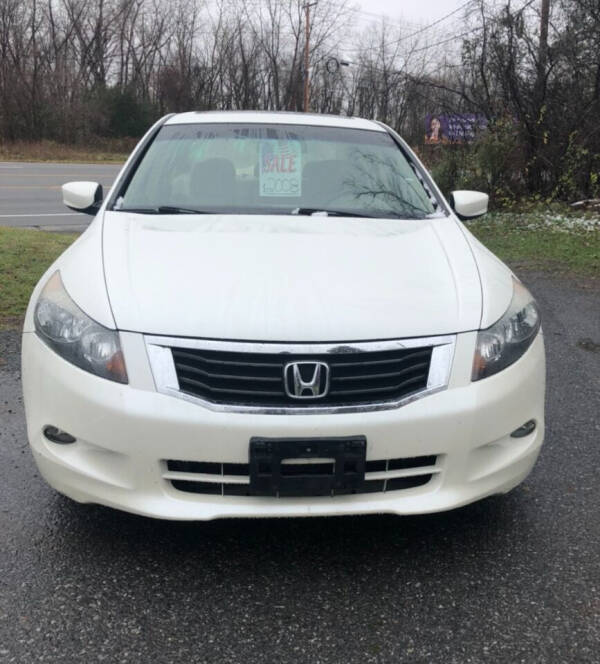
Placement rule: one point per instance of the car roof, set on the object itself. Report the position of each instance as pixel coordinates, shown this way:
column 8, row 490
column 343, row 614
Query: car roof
column 273, row 117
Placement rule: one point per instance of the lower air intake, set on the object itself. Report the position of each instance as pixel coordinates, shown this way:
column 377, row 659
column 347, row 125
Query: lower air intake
column 233, row 479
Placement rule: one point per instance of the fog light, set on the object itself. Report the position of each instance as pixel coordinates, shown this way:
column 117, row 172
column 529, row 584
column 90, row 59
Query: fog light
column 525, row 430
column 56, row 435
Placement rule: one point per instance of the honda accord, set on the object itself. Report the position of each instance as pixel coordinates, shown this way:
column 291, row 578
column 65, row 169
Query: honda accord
column 280, row 314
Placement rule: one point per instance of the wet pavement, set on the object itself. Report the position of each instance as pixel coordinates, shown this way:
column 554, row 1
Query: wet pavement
column 510, row 579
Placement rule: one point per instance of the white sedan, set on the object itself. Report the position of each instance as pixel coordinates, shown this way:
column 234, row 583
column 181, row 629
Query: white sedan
column 278, row 314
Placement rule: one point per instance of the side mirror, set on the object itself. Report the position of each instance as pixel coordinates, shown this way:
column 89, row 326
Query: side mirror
column 83, row 197
column 469, row 204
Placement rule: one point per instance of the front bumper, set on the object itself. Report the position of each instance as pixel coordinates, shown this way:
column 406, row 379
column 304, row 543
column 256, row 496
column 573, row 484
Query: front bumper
column 125, row 432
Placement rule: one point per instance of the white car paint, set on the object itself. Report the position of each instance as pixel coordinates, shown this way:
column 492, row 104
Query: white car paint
column 265, row 279
column 496, row 289
column 287, row 280
column 79, row 195
column 82, row 271
column 470, row 204
column 273, row 117
column 125, row 431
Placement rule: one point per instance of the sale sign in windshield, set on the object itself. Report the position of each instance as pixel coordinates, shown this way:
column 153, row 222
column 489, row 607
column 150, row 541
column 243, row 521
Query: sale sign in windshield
column 280, row 168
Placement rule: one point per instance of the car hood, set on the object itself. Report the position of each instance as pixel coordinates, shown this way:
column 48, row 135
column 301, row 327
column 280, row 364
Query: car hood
column 283, row 278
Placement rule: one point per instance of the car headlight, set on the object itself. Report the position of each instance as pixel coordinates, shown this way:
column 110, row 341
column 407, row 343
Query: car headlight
column 503, row 343
column 61, row 324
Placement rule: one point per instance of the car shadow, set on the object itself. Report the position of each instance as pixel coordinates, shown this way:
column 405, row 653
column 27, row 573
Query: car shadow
column 235, row 546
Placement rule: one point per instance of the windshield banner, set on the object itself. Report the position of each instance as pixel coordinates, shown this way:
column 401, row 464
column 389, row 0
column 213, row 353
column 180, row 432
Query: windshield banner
column 280, row 168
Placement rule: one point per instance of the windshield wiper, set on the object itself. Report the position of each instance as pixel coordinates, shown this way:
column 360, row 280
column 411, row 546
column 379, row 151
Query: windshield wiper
column 170, row 209
column 383, row 214
column 137, row 210
column 164, row 209
column 328, row 213
column 303, row 211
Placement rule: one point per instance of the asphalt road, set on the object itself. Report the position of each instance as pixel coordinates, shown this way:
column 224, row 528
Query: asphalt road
column 30, row 194
column 511, row 579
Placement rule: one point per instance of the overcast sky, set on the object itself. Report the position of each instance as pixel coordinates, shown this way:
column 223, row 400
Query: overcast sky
column 421, row 12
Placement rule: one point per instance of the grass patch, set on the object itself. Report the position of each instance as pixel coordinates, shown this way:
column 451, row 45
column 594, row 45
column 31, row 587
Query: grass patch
column 107, row 151
column 531, row 243
column 24, row 257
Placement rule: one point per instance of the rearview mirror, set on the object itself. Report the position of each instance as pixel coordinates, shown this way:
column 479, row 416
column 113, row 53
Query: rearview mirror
column 83, row 197
column 469, row 204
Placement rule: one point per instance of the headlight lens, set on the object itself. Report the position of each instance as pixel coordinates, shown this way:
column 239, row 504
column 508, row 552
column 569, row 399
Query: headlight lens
column 503, row 344
column 77, row 338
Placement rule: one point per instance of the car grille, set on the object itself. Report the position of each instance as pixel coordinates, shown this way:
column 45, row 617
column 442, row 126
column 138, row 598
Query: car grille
column 257, row 378
column 233, row 479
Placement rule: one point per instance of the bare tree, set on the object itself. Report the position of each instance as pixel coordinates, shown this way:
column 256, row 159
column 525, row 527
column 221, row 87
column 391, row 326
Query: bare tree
column 73, row 69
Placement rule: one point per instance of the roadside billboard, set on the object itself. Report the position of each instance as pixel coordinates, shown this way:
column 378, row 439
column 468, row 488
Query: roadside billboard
column 453, row 127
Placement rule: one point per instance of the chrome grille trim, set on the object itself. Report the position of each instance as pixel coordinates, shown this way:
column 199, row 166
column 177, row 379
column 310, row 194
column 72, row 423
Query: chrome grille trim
column 165, row 376
column 421, row 470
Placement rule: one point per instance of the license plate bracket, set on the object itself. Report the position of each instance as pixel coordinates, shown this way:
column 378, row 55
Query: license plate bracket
column 334, row 465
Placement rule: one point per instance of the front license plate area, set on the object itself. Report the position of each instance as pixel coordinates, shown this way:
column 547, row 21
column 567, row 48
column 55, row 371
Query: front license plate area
column 306, row 466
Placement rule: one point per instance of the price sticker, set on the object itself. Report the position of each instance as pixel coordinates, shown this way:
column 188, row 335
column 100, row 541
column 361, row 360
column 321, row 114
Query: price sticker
column 280, row 168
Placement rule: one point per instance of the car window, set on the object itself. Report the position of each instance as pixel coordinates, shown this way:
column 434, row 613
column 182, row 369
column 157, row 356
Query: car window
column 277, row 169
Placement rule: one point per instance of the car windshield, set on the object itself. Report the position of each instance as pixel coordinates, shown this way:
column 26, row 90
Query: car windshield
column 276, row 169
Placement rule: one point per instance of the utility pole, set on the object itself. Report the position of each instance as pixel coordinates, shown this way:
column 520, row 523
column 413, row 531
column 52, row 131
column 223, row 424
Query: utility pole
column 537, row 131
column 542, row 59
column 543, row 51
column 307, row 7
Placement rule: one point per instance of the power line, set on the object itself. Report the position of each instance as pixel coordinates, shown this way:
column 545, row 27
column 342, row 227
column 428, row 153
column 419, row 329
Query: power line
column 372, row 15
column 422, row 30
column 426, row 28
column 464, row 34
column 366, row 14
column 439, row 20
column 447, row 40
